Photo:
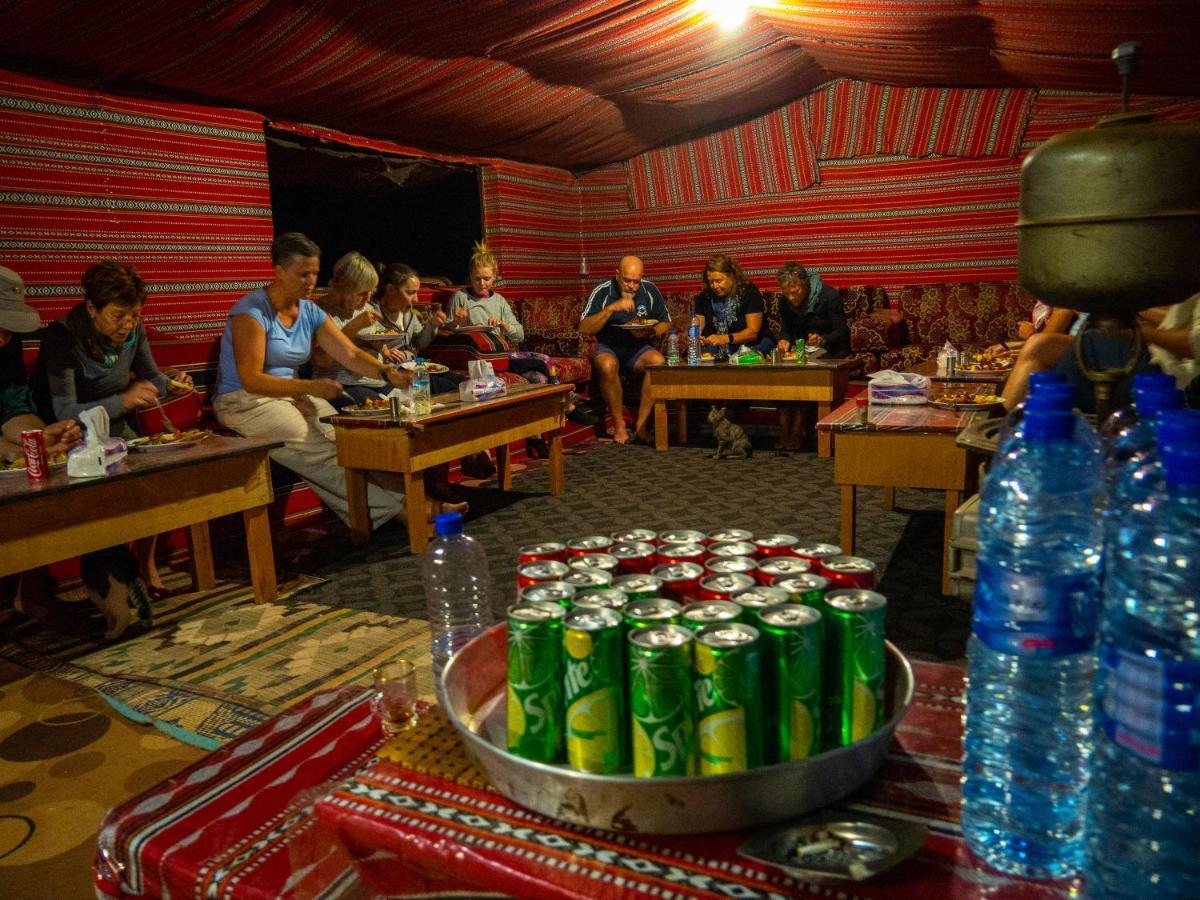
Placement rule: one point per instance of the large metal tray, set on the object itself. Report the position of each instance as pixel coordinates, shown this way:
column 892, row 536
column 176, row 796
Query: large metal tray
column 474, row 686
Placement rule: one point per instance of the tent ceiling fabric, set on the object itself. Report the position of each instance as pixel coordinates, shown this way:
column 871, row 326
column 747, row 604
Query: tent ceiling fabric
column 580, row 84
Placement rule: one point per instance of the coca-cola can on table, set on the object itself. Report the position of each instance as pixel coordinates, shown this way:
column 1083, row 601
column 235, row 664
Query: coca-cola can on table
column 846, row 572
column 681, row 580
column 539, row 552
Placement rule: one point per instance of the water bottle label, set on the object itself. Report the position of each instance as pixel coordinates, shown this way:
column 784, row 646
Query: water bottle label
column 1151, row 707
column 1034, row 615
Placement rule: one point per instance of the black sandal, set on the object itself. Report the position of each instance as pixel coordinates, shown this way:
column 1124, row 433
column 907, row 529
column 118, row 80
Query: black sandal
column 536, row 448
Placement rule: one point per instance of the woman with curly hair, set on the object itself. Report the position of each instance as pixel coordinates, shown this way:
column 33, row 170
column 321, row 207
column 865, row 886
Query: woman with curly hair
column 730, row 309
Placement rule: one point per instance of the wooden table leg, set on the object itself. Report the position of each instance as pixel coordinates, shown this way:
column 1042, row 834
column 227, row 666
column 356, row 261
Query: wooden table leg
column 557, row 478
column 262, row 556
column 503, row 468
column 849, row 496
column 681, row 422
column 414, row 502
column 203, row 576
column 660, row 426
column 356, row 502
column 889, row 498
column 824, row 438
column 953, row 502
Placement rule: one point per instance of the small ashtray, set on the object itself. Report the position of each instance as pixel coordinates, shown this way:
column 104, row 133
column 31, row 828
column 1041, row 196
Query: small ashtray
column 836, row 845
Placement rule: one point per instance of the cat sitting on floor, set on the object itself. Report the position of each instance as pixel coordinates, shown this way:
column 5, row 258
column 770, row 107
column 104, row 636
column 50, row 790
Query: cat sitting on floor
column 731, row 438
column 113, row 583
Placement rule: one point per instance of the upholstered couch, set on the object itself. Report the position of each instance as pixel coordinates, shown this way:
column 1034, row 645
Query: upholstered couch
column 888, row 330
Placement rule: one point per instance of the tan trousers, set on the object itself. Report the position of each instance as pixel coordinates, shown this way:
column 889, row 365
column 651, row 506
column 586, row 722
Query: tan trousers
column 309, row 449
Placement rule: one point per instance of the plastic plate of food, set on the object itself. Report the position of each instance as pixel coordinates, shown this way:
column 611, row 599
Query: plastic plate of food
column 168, row 440
column 369, row 407
column 432, row 367
column 381, row 336
column 637, row 324
column 16, row 466
column 965, row 400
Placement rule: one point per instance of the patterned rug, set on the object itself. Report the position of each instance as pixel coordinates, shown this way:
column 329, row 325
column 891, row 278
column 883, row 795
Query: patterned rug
column 217, row 664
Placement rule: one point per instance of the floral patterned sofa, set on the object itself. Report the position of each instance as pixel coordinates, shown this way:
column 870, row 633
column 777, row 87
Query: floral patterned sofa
column 888, row 330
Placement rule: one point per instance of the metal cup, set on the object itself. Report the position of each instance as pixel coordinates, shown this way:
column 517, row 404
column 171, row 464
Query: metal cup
column 397, row 409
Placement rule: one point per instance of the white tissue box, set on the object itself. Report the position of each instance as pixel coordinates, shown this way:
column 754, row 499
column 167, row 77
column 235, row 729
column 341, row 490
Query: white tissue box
column 897, row 394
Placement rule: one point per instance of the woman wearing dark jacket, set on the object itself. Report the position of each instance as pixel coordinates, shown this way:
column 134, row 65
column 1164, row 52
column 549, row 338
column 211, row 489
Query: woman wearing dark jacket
column 809, row 311
column 812, row 311
column 731, row 309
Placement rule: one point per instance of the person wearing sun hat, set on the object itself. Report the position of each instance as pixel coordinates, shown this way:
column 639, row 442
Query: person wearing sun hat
column 17, row 410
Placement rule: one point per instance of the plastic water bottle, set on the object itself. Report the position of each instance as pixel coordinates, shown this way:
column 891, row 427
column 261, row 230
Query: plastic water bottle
column 1049, row 393
column 1136, row 478
column 420, row 388
column 1128, row 415
column 458, row 589
column 1030, row 657
column 693, row 345
column 1139, row 435
column 1012, row 421
column 673, row 348
column 1145, row 800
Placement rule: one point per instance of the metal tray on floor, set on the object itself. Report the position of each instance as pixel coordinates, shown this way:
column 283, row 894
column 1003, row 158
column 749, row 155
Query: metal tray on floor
column 475, row 684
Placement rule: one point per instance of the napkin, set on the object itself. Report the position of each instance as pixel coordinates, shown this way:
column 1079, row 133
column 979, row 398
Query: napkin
column 890, row 386
column 481, row 383
column 99, row 454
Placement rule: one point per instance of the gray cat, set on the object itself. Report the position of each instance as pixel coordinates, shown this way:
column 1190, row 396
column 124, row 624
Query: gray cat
column 731, row 438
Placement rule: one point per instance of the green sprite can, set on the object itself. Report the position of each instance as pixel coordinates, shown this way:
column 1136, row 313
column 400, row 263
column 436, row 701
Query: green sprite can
column 587, row 580
column 594, row 682
column 535, row 681
column 639, row 585
column 854, row 632
column 549, row 592
column 607, row 598
column 729, row 707
column 807, row 588
column 793, row 640
column 655, row 611
column 709, row 612
column 754, row 600
column 662, row 716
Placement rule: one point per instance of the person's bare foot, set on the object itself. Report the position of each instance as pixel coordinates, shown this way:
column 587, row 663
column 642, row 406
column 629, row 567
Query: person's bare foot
column 645, row 436
column 620, row 435
column 434, row 508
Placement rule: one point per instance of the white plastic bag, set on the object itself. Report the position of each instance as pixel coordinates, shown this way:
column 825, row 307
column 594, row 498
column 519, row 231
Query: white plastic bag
column 99, row 454
column 888, row 386
column 947, row 360
column 481, row 383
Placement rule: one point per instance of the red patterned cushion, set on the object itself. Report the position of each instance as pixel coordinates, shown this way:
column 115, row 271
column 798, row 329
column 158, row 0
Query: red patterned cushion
column 903, row 359
column 574, row 369
column 924, row 307
column 548, row 314
column 868, row 333
column 553, row 341
column 859, row 300
column 865, row 363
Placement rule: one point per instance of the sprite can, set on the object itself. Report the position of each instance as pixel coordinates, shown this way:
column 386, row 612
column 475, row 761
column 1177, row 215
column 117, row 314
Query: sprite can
column 639, row 586
column 806, row 588
column 549, row 592
column 608, row 598
column 729, row 709
column 792, row 685
column 594, row 684
column 587, row 580
column 709, row 612
column 654, row 611
column 754, row 600
column 535, row 681
column 854, row 632
column 662, row 716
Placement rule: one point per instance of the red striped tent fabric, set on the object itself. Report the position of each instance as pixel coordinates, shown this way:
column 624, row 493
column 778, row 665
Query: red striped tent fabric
column 772, row 154
column 180, row 191
column 857, row 118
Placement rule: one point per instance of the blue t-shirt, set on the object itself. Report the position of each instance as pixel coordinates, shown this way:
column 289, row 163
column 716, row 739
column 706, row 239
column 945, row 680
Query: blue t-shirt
column 287, row 348
column 648, row 303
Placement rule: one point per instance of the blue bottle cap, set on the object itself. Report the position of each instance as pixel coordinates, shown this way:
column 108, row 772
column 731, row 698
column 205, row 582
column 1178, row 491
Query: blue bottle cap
column 1149, row 403
column 1052, row 396
column 1152, row 381
column 1047, row 423
column 448, row 524
column 1053, row 376
column 420, row 359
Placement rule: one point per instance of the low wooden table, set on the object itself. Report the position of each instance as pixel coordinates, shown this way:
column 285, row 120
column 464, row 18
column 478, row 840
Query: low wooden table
column 901, row 446
column 460, row 429
column 821, row 380
column 153, row 491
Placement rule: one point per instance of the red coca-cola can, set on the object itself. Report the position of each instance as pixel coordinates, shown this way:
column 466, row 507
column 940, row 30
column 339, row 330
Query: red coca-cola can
column 543, row 551
column 724, row 587
column 605, row 561
column 641, row 535
column 593, row 543
column 775, row 545
column 633, row 557
column 680, row 580
column 725, row 535
column 538, row 572
column 669, row 554
column 848, row 572
column 681, row 536
column 780, row 567
column 37, row 463
column 723, row 565
column 814, row 553
column 732, row 548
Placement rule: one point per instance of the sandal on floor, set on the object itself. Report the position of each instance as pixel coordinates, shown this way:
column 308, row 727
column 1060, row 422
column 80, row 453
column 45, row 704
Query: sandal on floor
column 478, row 465
column 537, row 448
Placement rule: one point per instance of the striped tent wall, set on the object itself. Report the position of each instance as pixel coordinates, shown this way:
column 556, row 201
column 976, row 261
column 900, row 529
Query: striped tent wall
column 180, row 191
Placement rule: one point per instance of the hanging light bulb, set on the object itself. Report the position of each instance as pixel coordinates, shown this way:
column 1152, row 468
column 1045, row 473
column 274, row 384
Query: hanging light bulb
column 728, row 14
